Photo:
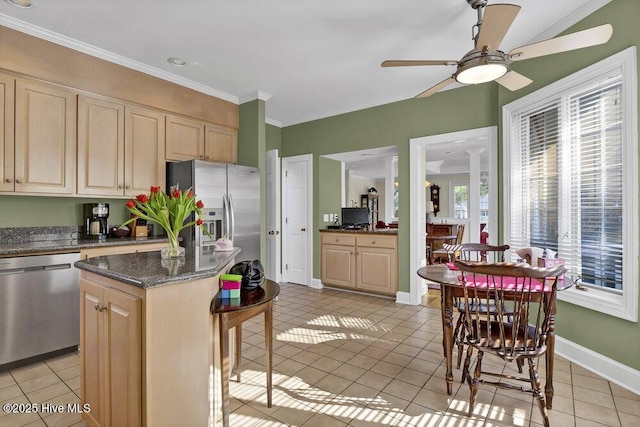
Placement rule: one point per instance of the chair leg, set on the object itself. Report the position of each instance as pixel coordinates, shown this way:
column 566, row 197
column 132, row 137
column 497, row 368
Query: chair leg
column 467, row 363
column 537, row 390
column 458, row 338
column 519, row 363
column 473, row 384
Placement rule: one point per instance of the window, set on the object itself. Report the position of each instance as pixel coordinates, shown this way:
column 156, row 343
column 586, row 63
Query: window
column 460, row 200
column 571, row 164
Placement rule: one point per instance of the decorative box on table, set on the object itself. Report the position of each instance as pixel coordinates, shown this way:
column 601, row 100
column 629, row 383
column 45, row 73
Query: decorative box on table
column 231, row 284
column 550, row 262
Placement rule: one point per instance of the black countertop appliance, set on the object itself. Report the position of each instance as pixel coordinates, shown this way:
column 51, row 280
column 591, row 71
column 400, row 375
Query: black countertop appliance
column 96, row 217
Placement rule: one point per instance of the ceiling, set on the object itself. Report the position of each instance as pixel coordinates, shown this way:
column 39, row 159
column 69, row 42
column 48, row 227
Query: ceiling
column 309, row 59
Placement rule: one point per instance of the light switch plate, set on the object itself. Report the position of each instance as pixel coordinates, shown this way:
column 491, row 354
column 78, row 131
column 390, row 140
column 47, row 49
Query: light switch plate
column 325, row 218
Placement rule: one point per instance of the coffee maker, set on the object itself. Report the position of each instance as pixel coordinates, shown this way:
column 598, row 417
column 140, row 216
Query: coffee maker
column 95, row 220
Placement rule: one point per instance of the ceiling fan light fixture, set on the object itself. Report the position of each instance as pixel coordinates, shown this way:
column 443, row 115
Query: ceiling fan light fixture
column 481, row 73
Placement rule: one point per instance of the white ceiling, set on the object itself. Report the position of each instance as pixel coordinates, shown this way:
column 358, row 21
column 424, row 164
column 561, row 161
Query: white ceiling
column 310, row 59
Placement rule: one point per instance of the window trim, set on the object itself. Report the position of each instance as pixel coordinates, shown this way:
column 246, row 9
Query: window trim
column 623, row 305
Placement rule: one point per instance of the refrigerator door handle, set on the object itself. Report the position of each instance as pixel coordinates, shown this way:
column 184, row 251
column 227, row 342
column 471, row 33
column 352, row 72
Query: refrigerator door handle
column 232, row 224
column 225, row 210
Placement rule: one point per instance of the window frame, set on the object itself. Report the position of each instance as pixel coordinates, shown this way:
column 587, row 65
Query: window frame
column 625, row 304
column 452, row 197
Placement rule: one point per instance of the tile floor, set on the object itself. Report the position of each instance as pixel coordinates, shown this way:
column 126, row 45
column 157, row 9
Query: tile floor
column 344, row 359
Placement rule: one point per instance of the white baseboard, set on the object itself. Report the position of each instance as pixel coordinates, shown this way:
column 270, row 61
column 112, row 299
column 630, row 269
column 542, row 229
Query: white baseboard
column 616, row 372
column 404, row 298
column 316, row 284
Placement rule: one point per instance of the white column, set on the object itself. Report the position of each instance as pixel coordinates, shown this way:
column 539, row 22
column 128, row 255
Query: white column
column 474, row 194
column 389, row 178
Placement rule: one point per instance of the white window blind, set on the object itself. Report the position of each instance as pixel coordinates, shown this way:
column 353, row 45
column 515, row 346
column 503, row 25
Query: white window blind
column 571, row 166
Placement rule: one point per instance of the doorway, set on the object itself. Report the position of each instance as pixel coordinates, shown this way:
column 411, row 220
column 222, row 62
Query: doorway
column 475, row 141
column 297, row 210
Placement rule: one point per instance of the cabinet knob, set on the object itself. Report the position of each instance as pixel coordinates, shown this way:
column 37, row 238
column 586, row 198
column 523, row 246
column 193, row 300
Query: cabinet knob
column 9, row 180
column 128, row 187
column 100, row 307
column 201, row 156
column 373, row 242
column 120, row 187
column 206, row 157
column 19, row 181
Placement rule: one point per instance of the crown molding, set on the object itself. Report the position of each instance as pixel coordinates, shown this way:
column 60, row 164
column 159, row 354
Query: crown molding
column 263, row 96
column 273, row 122
column 569, row 20
column 97, row 52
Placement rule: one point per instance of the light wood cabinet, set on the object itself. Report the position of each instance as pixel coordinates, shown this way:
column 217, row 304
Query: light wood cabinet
column 120, row 148
column 111, row 343
column 45, row 138
column 100, row 147
column 366, row 262
column 185, row 139
column 7, row 88
column 143, row 150
column 221, row 144
column 190, row 139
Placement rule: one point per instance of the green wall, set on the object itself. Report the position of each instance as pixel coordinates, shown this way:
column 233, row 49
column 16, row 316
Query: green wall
column 382, row 126
column 274, row 138
column 26, row 211
column 590, row 329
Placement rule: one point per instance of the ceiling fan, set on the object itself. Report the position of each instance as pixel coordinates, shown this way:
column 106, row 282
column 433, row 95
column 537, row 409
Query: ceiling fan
column 485, row 62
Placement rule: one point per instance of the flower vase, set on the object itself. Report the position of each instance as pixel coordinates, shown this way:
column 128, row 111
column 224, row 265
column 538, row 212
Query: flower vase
column 173, row 250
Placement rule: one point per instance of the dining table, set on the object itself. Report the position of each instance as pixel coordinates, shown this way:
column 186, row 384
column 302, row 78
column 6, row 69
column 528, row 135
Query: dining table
column 451, row 288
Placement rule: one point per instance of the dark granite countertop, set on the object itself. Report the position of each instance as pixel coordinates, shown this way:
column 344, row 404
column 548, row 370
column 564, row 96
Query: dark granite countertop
column 391, row 231
column 147, row 269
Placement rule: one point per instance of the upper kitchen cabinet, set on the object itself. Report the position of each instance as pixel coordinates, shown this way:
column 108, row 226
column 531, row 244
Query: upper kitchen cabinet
column 7, row 85
column 120, row 148
column 143, row 149
column 100, row 147
column 185, row 139
column 221, row 144
column 45, row 143
column 190, row 139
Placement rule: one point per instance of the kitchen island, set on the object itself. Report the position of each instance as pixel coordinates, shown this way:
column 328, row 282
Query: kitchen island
column 147, row 338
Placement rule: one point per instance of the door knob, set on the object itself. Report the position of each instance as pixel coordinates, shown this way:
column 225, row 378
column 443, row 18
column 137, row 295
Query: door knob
column 303, row 229
column 277, row 232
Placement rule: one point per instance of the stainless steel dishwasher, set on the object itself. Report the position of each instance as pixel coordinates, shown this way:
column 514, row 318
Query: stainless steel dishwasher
column 39, row 306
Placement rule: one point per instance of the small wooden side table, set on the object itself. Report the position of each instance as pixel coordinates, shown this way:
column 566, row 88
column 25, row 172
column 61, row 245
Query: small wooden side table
column 252, row 303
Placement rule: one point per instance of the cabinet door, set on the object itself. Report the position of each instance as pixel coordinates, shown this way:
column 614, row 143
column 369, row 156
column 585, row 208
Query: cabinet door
column 377, row 270
column 91, row 359
column 7, row 84
column 45, row 141
column 100, row 147
column 123, row 358
column 338, row 265
column 221, row 144
column 144, row 161
column 185, row 139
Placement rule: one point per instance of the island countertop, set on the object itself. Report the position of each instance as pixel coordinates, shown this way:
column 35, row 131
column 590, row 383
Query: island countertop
column 147, row 269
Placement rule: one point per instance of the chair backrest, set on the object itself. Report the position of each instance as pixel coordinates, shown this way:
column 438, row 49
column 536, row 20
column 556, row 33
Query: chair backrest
column 523, row 297
column 459, row 234
column 476, row 252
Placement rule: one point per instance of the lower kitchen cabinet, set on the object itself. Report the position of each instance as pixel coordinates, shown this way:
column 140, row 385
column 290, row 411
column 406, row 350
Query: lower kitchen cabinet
column 111, row 343
column 362, row 261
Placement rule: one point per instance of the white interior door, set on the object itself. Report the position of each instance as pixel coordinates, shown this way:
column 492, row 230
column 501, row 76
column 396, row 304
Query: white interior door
column 273, row 248
column 297, row 219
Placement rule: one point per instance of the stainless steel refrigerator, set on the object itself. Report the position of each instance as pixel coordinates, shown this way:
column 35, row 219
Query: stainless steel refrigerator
column 231, row 196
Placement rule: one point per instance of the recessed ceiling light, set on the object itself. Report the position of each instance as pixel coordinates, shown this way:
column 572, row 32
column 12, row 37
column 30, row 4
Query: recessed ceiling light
column 25, row 4
column 448, row 152
column 174, row 60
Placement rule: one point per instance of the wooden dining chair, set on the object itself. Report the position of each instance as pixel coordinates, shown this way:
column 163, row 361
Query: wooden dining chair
column 530, row 294
column 441, row 254
column 472, row 252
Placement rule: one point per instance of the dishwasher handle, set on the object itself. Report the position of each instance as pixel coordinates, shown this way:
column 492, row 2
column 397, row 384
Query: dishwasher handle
column 21, row 270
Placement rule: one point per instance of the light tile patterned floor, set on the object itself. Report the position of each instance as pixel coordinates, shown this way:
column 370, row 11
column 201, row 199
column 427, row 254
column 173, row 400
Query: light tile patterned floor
column 344, row 359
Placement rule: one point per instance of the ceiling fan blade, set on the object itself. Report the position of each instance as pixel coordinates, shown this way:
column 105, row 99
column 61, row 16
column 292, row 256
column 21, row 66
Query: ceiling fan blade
column 514, row 81
column 400, row 63
column 585, row 38
column 496, row 21
column 436, row 88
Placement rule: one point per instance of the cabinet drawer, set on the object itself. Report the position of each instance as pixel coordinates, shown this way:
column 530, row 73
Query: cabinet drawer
column 377, row 241
column 338, row 239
